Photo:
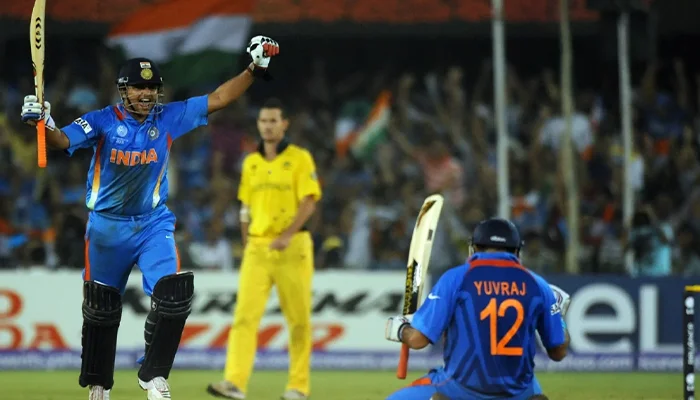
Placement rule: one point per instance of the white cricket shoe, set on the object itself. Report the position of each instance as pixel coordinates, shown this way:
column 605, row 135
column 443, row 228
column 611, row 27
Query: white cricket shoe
column 294, row 395
column 98, row 393
column 157, row 388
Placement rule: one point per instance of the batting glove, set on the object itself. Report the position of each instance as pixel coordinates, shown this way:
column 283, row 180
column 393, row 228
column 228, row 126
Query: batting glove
column 260, row 49
column 32, row 112
column 563, row 299
column 394, row 326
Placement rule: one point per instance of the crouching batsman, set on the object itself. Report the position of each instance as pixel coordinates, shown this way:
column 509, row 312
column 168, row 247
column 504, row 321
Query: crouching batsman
column 490, row 310
column 129, row 223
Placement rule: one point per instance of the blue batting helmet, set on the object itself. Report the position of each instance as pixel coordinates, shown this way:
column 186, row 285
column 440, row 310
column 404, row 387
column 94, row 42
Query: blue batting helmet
column 139, row 71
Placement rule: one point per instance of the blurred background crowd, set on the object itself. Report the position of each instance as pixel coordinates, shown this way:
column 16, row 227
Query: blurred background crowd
column 439, row 137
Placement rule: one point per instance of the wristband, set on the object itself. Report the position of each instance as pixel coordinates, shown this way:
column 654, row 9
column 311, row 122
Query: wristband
column 399, row 334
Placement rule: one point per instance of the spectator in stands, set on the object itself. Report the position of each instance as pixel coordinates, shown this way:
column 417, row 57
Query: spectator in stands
column 213, row 253
column 650, row 239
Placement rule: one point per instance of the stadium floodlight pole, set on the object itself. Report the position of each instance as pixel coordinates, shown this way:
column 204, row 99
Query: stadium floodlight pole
column 626, row 112
column 569, row 163
column 499, row 88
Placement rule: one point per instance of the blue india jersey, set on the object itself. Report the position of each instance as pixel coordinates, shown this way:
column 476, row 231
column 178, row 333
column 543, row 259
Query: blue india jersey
column 489, row 310
column 129, row 170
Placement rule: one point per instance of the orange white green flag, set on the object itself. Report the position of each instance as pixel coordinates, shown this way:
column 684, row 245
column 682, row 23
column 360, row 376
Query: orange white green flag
column 361, row 139
column 193, row 41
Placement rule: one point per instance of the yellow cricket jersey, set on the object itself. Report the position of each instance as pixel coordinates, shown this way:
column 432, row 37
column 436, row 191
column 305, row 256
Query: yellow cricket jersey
column 272, row 190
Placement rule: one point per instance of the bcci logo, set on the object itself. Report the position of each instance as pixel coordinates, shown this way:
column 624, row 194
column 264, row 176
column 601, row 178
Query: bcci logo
column 153, row 133
column 147, row 74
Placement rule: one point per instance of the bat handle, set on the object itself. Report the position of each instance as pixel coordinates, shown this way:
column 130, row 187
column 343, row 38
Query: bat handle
column 41, row 143
column 403, row 363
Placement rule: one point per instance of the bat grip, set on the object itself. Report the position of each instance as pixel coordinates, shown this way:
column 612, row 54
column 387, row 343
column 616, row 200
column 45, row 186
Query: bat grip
column 403, row 363
column 41, row 143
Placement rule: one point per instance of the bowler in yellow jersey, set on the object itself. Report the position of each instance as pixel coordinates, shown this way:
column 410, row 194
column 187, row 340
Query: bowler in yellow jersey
column 278, row 193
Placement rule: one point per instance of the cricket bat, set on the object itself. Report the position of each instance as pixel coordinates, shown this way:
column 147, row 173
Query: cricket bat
column 417, row 266
column 36, row 41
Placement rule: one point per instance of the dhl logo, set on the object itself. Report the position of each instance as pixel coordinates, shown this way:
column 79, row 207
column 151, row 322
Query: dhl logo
column 131, row 158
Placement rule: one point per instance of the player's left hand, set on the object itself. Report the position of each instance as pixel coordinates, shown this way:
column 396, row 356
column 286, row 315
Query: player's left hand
column 563, row 298
column 394, row 326
column 261, row 49
column 281, row 242
column 32, row 112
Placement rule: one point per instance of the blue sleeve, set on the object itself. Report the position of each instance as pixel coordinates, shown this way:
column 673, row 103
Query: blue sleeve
column 187, row 115
column 550, row 324
column 434, row 315
column 83, row 132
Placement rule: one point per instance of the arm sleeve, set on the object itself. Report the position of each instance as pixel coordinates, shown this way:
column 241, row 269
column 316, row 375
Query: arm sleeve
column 84, row 132
column 551, row 323
column 185, row 116
column 434, row 315
column 307, row 180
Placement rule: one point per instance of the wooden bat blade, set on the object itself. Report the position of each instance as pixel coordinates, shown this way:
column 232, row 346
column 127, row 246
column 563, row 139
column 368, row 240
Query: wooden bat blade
column 417, row 266
column 36, row 43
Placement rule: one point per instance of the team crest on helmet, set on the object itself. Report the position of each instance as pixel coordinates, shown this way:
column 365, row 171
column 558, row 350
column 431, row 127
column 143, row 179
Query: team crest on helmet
column 146, row 73
column 153, row 133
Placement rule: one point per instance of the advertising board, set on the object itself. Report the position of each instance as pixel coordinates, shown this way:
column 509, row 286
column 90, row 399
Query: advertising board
column 616, row 324
column 40, row 320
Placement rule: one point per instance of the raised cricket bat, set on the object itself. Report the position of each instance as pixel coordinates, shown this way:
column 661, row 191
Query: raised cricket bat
column 417, row 266
column 36, row 41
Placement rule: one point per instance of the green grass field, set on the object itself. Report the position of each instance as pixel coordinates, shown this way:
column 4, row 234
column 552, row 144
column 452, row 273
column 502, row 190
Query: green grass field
column 326, row 385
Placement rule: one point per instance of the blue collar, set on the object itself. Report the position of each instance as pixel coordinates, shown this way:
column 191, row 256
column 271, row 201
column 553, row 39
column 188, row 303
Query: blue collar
column 494, row 256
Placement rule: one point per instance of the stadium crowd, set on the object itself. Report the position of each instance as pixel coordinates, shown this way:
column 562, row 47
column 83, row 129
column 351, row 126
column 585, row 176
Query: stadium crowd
column 440, row 138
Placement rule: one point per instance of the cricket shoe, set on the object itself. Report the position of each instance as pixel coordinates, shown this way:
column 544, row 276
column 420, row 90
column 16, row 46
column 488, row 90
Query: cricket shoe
column 226, row 390
column 157, row 388
column 294, row 395
column 98, row 393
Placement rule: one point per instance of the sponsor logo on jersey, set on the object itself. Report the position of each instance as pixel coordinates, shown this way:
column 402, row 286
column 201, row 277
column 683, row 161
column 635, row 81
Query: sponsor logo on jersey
column 83, row 124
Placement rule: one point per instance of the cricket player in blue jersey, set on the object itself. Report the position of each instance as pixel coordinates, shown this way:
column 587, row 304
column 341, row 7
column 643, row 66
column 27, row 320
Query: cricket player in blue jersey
column 129, row 223
column 490, row 311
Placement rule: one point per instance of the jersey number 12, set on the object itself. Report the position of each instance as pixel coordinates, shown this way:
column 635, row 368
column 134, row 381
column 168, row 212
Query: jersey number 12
column 493, row 311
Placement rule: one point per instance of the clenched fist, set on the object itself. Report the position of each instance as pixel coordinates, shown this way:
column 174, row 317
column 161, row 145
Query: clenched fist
column 261, row 49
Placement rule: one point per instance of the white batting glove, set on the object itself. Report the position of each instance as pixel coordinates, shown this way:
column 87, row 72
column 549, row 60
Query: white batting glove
column 261, row 49
column 32, row 112
column 394, row 326
column 563, row 299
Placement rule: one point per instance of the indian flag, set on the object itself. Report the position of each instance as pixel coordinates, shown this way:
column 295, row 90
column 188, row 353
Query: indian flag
column 362, row 140
column 193, row 41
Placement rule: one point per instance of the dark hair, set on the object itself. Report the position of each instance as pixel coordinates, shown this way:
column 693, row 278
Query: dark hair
column 274, row 102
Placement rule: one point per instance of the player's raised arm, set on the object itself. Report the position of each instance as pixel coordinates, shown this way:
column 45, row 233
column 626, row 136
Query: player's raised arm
column 32, row 112
column 260, row 48
column 430, row 321
column 551, row 327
